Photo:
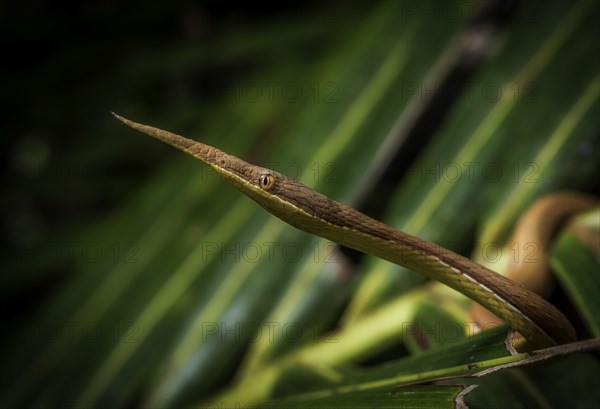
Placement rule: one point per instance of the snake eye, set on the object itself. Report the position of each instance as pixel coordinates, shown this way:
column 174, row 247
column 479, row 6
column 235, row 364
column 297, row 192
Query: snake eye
column 266, row 181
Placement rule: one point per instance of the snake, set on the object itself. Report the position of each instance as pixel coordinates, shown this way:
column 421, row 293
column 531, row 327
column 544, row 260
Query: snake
column 534, row 233
column 525, row 312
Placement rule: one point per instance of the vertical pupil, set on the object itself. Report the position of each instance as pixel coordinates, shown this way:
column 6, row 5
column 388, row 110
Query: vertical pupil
column 264, row 180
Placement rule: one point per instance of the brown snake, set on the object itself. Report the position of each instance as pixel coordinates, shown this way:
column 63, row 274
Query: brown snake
column 536, row 230
column 526, row 312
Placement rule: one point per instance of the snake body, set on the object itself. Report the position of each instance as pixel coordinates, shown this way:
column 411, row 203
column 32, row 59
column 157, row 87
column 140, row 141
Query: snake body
column 298, row 205
column 535, row 232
